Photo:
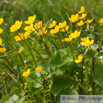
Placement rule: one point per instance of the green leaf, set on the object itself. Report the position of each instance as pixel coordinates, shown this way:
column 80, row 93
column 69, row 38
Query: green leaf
column 94, row 47
column 98, row 74
column 59, row 62
column 67, row 91
column 57, row 58
column 60, row 83
column 6, row 97
column 12, row 99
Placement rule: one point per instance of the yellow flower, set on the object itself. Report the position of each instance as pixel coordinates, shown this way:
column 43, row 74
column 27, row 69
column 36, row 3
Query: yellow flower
column 26, row 84
column 83, row 39
column 75, row 34
column 101, row 21
column 2, row 50
column 82, row 9
column 42, row 31
column 52, row 24
column 21, row 49
column 87, row 42
column 38, row 25
column 17, row 38
column 29, row 28
column 31, row 19
column 1, row 30
column 20, row 37
column 79, row 59
column 68, row 39
column 70, row 31
column 65, row 29
column 88, row 22
column 77, row 73
column 27, row 73
column 74, row 18
column 38, row 69
column 26, row 35
column 0, row 41
column 102, row 61
column 16, row 26
column 63, row 40
column 83, row 16
column 3, row 73
column 54, row 31
column 1, row 21
column 62, row 25
column 80, row 23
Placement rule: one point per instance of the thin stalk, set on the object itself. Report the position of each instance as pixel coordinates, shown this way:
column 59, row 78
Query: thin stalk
column 51, row 42
column 8, row 68
column 29, row 50
column 60, row 42
column 8, row 36
column 46, row 47
column 93, row 84
column 31, row 54
column 14, row 46
column 77, row 48
column 38, row 82
column 35, row 50
column 81, row 90
column 10, row 64
column 11, row 76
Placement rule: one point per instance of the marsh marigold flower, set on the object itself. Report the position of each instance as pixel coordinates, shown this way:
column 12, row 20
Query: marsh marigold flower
column 2, row 50
column 31, row 19
column 54, row 31
column 16, row 26
column 1, row 30
column 82, row 10
column 20, row 37
column 74, row 18
column 27, row 73
column 83, row 39
column 88, row 22
column 65, row 29
column 75, row 34
column 68, row 39
column 62, row 25
column 38, row 69
column 52, row 24
column 3, row 73
column 83, row 16
column 42, row 31
column 80, row 23
column 0, row 41
column 79, row 59
column 21, row 49
column 29, row 28
column 1, row 20
column 38, row 25
column 26, row 35
column 87, row 42
column 101, row 21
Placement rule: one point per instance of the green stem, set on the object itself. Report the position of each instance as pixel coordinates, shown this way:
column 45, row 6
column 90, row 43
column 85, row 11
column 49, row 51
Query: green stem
column 8, row 68
column 31, row 54
column 77, row 48
column 35, row 50
column 46, row 47
column 60, row 42
column 51, row 42
column 38, row 82
column 10, row 64
column 11, row 76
